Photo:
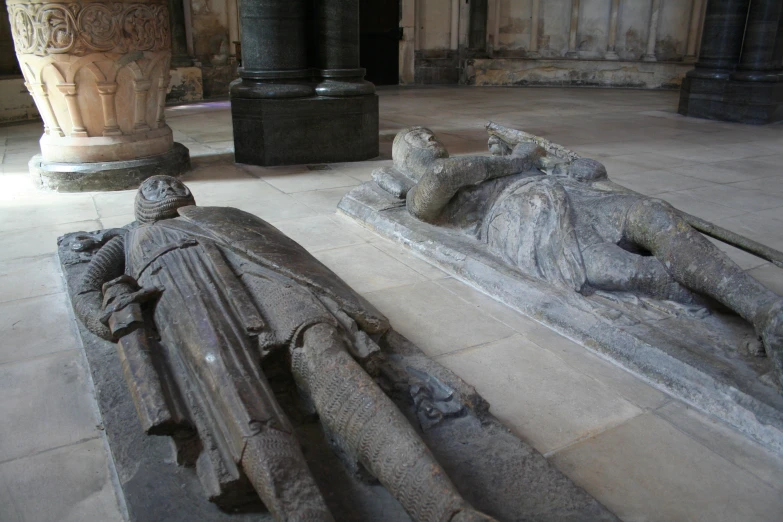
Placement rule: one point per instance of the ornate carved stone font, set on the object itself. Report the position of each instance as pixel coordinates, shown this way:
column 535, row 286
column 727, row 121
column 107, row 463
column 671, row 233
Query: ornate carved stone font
column 98, row 72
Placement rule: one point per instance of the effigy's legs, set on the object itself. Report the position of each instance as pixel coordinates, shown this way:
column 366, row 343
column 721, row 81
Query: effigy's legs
column 274, row 463
column 611, row 268
column 352, row 406
column 696, row 263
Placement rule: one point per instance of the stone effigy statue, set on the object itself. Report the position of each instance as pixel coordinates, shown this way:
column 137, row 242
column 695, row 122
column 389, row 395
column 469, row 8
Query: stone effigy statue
column 553, row 215
column 196, row 298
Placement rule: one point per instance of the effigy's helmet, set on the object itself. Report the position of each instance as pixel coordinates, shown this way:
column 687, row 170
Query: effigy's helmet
column 159, row 197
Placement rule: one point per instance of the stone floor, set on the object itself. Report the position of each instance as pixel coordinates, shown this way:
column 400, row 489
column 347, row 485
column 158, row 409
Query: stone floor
column 643, row 454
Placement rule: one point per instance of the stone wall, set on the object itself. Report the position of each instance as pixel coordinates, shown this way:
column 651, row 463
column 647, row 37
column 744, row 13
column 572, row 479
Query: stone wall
column 552, row 42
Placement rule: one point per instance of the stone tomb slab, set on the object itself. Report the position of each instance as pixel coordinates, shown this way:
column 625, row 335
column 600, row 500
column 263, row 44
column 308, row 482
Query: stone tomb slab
column 495, row 471
column 700, row 356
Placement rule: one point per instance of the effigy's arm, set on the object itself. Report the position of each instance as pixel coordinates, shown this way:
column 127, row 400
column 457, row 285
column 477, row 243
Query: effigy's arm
column 441, row 182
column 107, row 264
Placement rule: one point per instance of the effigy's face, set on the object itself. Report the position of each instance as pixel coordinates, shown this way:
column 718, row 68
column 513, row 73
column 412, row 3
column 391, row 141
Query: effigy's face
column 422, row 138
column 160, row 188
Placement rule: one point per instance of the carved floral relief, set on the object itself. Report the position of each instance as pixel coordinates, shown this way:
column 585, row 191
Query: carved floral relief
column 80, row 29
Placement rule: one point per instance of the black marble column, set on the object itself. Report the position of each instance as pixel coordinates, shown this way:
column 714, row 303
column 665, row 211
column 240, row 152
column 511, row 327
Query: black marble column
column 337, row 44
column 757, row 63
column 302, row 97
column 274, row 50
column 721, row 42
column 737, row 75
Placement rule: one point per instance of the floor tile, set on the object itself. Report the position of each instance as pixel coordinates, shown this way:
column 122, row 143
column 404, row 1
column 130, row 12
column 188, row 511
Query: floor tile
column 770, row 276
column 44, row 403
column 311, row 180
column 319, row 233
column 322, row 201
column 23, row 278
column 38, row 241
column 654, row 182
column 741, row 199
column 368, row 269
column 408, row 259
column 69, row 484
column 436, row 320
column 726, row 442
column 698, row 207
column 117, row 203
column 45, row 209
column 546, row 402
column 36, row 326
column 647, row 470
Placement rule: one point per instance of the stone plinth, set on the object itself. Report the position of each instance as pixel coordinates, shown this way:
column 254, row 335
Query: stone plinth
column 98, row 72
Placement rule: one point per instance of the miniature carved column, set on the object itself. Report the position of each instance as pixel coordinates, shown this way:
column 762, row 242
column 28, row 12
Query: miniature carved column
column 338, row 49
column 721, row 42
column 107, row 90
column 758, row 62
column 535, row 14
column 693, row 31
column 572, row 52
column 652, row 32
column 611, row 53
column 77, row 57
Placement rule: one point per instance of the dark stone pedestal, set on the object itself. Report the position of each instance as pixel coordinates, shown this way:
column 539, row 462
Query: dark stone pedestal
column 731, row 100
column 112, row 175
column 305, row 130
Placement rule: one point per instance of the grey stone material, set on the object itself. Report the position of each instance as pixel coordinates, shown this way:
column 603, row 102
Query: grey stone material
column 114, row 175
column 617, row 271
column 305, row 130
column 342, row 401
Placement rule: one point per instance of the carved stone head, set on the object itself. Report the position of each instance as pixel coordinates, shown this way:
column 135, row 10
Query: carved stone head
column 415, row 149
column 159, row 197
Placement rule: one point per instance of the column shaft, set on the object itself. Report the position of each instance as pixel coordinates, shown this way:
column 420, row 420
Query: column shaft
column 179, row 43
column 652, row 32
column 337, row 42
column 535, row 14
column 757, row 62
column 721, row 42
column 572, row 52
column 274, row 50
column 611, row 52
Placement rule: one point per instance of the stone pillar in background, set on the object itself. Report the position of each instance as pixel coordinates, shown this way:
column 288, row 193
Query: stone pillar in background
column 652, row 32
column 535, row 15
column 287, row 110
column 186, row 83
column 337, row 41
column 758, row 61
column 611, row 51
column 94, row 70
column 721, row 41
column 573, row 30
column 737, row 76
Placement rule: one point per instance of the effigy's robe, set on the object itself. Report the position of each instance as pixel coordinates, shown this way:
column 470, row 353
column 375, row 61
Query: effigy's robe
column 234, row 289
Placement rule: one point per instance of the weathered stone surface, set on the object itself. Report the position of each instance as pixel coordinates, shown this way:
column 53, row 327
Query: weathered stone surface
column 186, row 85
column 509, row 245
column 404, row 401
column 660, row 75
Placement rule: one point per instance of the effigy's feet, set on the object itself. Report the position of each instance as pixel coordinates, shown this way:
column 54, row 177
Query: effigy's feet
column 772, row 337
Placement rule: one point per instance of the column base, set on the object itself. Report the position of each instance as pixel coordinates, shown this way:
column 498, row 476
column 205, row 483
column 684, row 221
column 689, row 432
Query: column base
column 727, row 100
column 112, row 175
column 270, row 132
